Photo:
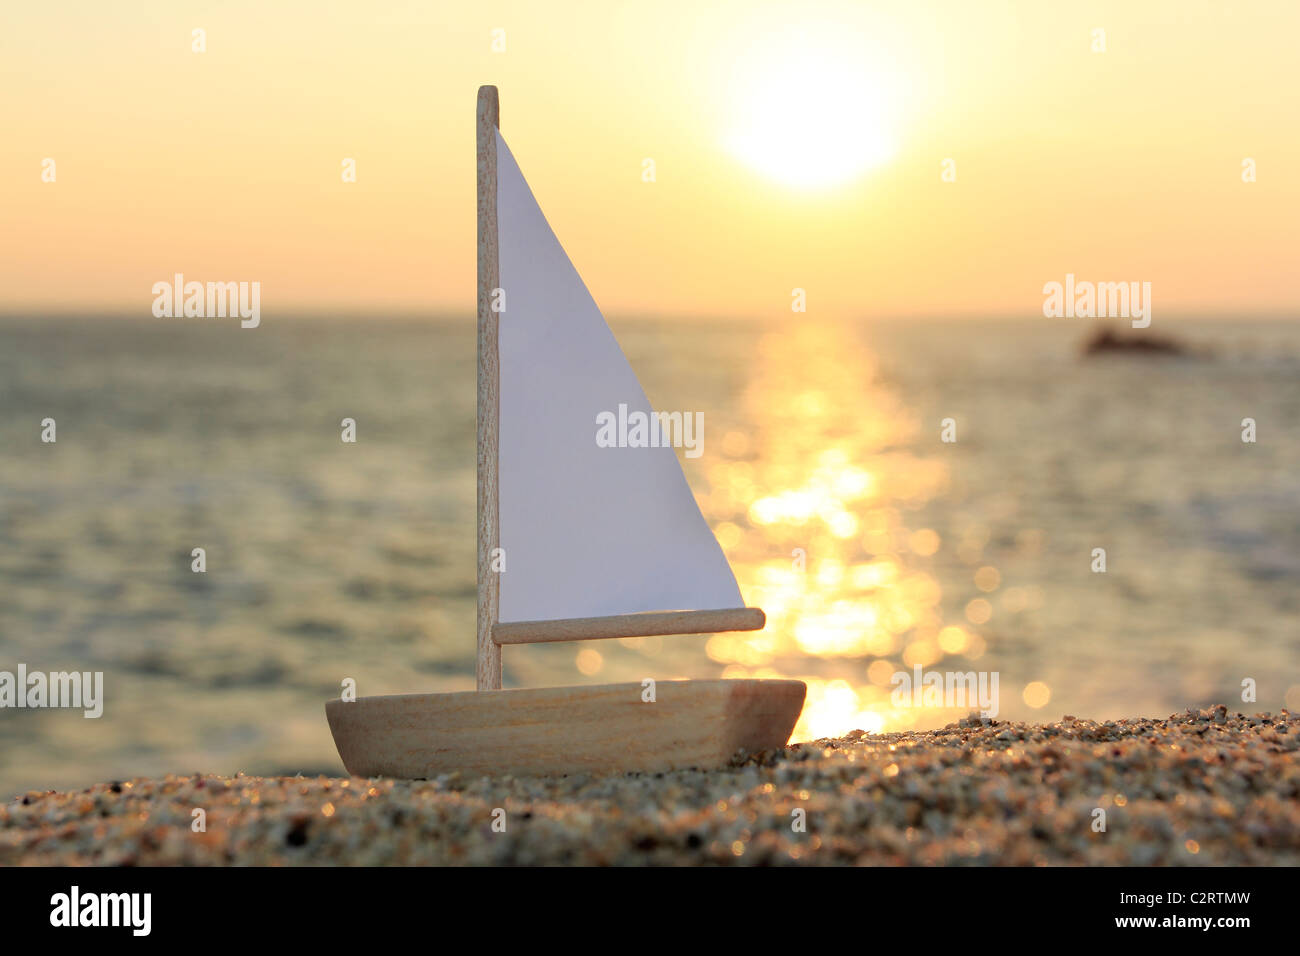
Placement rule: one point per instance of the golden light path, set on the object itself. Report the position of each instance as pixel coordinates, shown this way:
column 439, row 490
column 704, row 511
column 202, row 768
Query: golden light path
column 812, row 498
column 811, row 507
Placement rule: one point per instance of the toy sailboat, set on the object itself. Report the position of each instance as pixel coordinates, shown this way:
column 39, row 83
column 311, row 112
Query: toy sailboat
column 577, row 541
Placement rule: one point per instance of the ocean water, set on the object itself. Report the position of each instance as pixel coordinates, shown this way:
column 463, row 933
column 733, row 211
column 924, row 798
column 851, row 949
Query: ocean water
column 875, row 546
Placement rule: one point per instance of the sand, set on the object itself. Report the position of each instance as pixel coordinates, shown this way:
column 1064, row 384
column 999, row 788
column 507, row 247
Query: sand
column 1204, row 787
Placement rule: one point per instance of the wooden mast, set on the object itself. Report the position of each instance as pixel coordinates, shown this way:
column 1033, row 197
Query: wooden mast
column 489, row 391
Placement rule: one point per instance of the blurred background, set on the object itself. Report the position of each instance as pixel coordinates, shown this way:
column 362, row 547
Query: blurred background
column 790, row 148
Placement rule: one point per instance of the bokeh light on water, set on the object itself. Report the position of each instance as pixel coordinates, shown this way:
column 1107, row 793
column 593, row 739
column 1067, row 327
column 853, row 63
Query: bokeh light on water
column 814, row 506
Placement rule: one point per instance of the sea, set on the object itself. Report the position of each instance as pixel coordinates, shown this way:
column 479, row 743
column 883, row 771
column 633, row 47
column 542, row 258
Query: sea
column 1101, row 536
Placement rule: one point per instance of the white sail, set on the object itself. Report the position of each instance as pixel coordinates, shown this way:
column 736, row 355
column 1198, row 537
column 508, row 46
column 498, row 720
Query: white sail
column 586, row 531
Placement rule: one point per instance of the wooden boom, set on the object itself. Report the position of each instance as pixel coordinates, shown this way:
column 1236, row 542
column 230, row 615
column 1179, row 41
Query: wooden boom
column 630, row 625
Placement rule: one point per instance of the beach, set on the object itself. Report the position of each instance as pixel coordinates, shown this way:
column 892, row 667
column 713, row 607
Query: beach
column 1204, row 787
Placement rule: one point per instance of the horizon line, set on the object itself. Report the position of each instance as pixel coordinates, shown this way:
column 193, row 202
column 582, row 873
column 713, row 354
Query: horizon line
column 446, row 316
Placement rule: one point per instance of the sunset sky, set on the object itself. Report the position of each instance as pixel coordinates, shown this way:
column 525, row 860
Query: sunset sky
column 795, row 145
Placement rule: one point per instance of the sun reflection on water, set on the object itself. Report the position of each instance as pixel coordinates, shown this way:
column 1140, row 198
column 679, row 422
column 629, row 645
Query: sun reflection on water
column 812, row 508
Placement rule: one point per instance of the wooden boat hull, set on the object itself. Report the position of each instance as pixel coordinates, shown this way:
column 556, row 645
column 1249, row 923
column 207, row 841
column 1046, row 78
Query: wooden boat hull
column 604, row 728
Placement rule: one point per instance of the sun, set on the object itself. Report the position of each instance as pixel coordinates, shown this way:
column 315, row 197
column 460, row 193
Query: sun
column 811, row 110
